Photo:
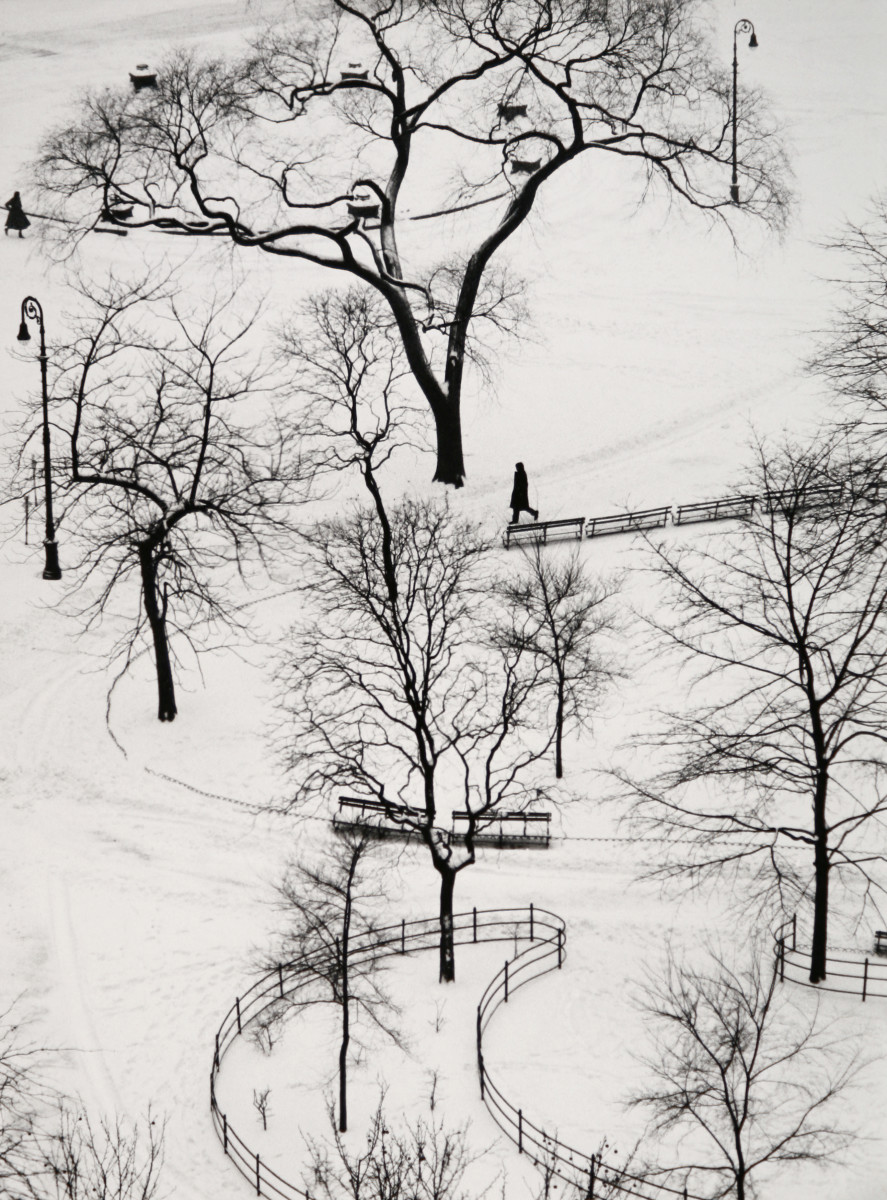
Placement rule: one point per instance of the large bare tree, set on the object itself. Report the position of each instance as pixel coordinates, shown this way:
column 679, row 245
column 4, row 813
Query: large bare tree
column 313, row 145
column 394, row 687
column 747, row 1082
column 782, row 625
column 169, row 480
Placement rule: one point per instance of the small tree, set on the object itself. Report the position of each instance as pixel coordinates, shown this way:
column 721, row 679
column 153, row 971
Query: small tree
column 475, row 105
column 752, row 1084
column 104, row 1161
column 327, row 905
column 559, row 614
column 167, row 481
column 786, row 623
column 395, row 687
column 422, row 1160
column 22, row 1096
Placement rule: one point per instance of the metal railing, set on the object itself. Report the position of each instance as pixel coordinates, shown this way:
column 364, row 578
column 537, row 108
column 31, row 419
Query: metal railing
column 865, row 977
column 545, row 934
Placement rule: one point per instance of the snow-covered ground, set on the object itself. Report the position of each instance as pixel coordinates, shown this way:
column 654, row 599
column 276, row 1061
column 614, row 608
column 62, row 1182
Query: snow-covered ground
column 137, row 880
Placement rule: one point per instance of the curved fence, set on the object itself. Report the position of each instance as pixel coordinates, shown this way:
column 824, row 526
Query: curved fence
column 864, row 977
column 545, row 934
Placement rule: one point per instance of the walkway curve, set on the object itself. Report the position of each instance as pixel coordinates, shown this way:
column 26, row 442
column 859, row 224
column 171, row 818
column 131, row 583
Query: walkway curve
column 545, row 936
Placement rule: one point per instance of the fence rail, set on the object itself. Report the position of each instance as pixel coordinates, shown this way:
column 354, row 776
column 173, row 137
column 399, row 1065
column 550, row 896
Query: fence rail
column 545, row 934
column 867, row 975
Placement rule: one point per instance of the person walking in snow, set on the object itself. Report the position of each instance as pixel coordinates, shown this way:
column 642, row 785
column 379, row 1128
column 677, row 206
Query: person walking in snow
column 16, row 218
column 520, row 495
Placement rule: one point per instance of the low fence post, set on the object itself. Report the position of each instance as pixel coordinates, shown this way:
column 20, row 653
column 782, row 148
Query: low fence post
column 520, row 1131
column 560, row 952
column 27, row 517
column 216, row 1055
column 794, row 931
column 237, row 1002
column 280, row 977
column 531, row 922
column 403, row 937
column 782, row 960
column 224, row 1133
column 865, row 979
column 474, row 924
column 590, row 1194
column 258, row 1176
column 506, row 981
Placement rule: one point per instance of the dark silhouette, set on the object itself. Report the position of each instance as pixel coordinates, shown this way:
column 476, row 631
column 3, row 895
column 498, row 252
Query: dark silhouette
column 16, row 219
column 520, row 495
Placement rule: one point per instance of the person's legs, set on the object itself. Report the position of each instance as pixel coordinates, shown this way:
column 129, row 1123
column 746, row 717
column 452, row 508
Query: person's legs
column 515, row 516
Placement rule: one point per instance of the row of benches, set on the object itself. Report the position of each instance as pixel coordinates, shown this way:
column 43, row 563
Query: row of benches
column 381, row 818
column 684, row 514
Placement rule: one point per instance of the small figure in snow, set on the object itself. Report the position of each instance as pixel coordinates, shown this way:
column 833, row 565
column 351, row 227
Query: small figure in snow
column 16, row 219
column 520, row 495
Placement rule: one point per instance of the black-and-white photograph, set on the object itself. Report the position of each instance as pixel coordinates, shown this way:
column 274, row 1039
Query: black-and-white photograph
column 443, row 563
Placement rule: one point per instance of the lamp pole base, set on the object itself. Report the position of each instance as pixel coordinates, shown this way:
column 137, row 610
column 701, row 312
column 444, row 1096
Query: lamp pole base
column 52, row 570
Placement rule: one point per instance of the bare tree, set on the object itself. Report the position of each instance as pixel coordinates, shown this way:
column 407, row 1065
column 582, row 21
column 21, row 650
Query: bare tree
column 752, row 1084
column 423, row 1160
column 168, row 482
column 332, row 937
column 104, row 1161
column 260, row 1104
column 23, row 1094
column 395, row 688
column 852, row 356
column 784, row 629
column 557, row 612
column 299, row 151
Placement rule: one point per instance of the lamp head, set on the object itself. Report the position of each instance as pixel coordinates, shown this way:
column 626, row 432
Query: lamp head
column 753, row 41
column 23, row 335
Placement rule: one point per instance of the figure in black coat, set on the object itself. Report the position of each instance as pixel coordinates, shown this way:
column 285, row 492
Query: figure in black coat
column 16, row 218
column 520, row 495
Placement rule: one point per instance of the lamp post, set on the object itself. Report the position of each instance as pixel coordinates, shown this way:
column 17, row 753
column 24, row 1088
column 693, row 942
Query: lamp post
column 32, row 310
column 742, row 26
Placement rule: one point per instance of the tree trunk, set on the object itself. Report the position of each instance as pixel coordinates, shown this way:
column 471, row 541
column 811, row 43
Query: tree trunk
column 447, row 943
column 819, row 945
column 156, row 614
column 559, row 733
column 448, row 422
column 343, row 1067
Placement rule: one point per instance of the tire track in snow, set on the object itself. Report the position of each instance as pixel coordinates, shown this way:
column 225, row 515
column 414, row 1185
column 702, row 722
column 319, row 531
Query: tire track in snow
column 85, row 1043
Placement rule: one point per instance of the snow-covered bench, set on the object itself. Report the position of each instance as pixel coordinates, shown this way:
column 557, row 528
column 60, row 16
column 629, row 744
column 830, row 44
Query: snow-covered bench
column 379, row 817
column 544, row 531
column 644, row 518
column 881, row 941
column 715, row 510
column 506, row 828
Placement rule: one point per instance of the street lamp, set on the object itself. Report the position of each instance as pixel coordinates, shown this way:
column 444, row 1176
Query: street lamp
column 32, row 310
column 742, row 26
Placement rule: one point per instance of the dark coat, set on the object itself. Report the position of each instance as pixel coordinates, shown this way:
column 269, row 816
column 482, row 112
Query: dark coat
column 16, row 218
column 520, row 493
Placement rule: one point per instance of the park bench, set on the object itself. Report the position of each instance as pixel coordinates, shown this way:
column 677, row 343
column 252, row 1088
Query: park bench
column 379, row 817
column 646, row 518
column 544, row 531
column 142, row 77
column 800, row 499
column 525, row 166
column 881, row 941
column 510, row 112
column 355, row 70
column 506, row 828
column 715, row 510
